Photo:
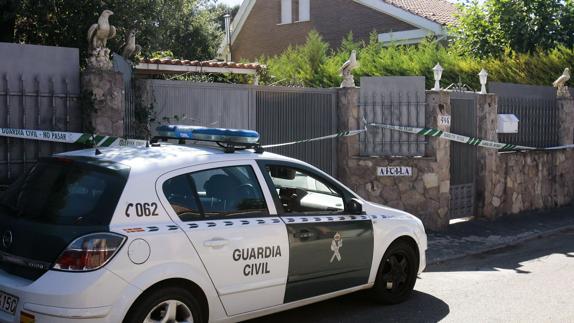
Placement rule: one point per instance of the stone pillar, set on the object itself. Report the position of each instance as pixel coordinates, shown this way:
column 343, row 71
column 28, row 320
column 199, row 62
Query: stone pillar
column 425, row 192
column 104, row 112
column 347, row 119
column 439, row 105
column 488, row 189
column 563, row 189
column 565, row 118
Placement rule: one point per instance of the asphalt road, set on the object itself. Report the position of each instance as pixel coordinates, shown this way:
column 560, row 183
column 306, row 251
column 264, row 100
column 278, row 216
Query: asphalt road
column 531, row 282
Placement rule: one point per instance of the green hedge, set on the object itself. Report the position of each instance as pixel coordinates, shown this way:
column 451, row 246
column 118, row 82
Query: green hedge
column 315, row 65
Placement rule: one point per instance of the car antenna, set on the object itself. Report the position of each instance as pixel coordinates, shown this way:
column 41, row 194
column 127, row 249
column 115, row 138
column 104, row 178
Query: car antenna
column 97, row 151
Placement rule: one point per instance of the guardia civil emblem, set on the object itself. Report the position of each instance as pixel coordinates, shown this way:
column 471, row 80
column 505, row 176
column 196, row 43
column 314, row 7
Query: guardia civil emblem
column 336, row 244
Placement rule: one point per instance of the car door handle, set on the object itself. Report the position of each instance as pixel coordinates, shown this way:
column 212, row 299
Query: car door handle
column 216, row 243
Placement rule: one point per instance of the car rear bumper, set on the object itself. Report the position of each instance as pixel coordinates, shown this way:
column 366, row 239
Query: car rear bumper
column 98, row 296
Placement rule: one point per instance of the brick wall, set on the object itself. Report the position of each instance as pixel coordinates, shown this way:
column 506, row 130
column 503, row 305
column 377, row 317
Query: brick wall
column 262, row 33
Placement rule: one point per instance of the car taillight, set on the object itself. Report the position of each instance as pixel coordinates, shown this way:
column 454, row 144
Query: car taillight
column 89, row 252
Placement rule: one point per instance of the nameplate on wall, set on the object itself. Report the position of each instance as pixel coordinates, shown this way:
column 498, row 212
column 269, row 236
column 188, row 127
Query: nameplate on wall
column 394, row 171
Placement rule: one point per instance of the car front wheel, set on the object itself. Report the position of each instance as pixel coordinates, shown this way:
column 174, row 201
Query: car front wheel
column 397, row 274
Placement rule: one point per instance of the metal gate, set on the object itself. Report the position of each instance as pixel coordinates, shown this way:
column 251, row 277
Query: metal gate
column 39, row 89
column 289, row 114
column 463, row 158
column 279, row 114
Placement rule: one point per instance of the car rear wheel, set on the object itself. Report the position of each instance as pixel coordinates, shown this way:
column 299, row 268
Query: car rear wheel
column 168, row 304
column 397, row 274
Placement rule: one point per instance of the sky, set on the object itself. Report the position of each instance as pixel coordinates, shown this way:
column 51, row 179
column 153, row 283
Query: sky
column 231, row 2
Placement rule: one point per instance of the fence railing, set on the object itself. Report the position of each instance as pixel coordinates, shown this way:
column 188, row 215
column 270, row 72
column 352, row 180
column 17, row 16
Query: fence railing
column 39, row 89
column 395, row 101
column 280, row 114
column 288, row 114
column 536, row 108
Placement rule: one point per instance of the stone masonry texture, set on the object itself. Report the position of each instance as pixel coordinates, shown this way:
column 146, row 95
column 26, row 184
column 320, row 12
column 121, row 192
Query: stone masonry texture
column 511, row 183
column 426, row 193
column 506, row 183
column 108, row 97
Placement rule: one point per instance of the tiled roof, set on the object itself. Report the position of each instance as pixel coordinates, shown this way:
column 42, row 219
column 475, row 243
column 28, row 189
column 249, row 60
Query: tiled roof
column 184, row 62
column 440, row 11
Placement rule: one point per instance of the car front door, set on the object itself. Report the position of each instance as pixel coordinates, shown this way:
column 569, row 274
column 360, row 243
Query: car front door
column 330, row 249
column 226, row 214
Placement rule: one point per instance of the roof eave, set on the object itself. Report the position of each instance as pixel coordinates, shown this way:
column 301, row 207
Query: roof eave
column 404, row 15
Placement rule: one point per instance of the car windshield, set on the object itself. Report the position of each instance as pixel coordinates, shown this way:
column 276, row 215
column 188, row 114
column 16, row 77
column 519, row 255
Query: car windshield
column 65, row 191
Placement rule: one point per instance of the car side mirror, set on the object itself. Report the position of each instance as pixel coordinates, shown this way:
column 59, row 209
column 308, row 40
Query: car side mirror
column 354, row 206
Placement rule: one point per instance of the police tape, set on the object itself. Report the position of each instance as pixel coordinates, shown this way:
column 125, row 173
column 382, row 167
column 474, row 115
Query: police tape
column 70, row 137
column 431, row 132
column 95, row 140
column 348, row 133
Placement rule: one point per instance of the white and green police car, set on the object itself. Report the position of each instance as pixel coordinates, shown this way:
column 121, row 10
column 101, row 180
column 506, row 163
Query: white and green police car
column 193, row 233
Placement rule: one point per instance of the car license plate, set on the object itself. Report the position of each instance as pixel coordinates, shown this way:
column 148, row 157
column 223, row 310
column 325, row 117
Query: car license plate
column 8, row 303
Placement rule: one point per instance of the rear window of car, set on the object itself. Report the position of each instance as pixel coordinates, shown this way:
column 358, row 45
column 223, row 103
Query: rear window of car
column 66, row 192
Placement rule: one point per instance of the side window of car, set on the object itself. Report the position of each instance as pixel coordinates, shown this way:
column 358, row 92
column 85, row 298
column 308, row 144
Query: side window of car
column 216, row 193
column 181, row 196
column 300, row 192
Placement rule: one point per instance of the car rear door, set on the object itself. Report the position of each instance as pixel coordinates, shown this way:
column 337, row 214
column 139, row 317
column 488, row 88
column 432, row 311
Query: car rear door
column 232, row 224
column 329, row 249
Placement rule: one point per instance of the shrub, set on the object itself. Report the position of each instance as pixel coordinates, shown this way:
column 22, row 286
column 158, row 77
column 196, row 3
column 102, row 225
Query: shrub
column 315, row 65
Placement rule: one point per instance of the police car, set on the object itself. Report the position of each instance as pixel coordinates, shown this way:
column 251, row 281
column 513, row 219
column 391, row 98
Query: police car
column 193, row 233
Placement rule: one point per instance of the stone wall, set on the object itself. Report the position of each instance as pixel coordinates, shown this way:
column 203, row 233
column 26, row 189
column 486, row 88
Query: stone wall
column 510, row 183
column 531, row 181
column 426, row 193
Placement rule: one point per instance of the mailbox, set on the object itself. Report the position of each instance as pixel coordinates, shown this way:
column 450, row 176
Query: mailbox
column 507, row 123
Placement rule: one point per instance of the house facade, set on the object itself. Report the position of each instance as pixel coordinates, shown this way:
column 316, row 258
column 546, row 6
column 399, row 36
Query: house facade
column 268, row 27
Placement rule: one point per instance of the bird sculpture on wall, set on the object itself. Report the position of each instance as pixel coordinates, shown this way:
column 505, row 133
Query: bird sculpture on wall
column 561, row 81
column 99, row 33
column 130, row 48
column 347, row 70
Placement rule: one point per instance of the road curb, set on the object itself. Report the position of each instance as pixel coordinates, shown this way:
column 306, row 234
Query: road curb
column 497, row 246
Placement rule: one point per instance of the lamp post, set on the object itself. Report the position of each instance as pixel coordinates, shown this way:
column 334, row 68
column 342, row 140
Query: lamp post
column 437, row 76
column 483, row 75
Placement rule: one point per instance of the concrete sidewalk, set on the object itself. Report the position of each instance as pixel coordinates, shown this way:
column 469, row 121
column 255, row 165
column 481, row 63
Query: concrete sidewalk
column 478, row 236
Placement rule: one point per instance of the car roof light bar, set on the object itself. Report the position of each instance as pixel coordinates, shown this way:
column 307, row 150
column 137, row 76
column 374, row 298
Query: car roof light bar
column 230, row 139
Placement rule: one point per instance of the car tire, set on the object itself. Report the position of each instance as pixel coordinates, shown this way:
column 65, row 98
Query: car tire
column 397, row 273
column 176, row 302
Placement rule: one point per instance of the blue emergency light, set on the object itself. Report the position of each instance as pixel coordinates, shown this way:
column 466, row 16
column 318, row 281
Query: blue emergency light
column 228, row 138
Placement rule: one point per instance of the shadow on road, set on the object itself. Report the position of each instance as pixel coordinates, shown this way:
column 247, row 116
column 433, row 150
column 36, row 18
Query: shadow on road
column 512, row 257
column 359, row 307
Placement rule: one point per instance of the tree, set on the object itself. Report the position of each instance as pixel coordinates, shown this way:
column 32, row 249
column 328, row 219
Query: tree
column 524, row 26
column 8, row 9
column 189, row 28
